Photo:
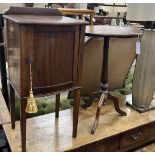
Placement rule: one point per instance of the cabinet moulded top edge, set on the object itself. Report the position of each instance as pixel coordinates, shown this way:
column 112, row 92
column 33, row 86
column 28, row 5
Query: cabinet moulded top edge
column 44, row 20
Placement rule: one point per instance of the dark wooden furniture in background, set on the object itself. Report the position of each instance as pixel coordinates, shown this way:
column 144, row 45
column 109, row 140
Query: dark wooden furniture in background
column 79, row 12
column 69, row 9
column 55, row 43
column 92, row 5
column 105, row 20
column 58, row 5
column 101, row 17
column 29, row 4
column 108, row 32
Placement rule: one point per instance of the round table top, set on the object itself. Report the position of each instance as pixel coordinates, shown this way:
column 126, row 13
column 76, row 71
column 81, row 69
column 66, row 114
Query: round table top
column 112, row 31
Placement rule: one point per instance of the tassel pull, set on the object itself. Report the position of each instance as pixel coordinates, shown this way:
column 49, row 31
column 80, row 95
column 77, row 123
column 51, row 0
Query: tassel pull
column 31, row 103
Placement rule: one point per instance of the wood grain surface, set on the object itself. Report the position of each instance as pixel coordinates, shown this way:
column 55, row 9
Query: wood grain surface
column 112, row 31
column 45, row 20
column 45, row 133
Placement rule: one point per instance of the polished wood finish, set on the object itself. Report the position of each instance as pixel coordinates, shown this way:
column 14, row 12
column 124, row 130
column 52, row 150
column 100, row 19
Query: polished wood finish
column 44, row 20
column 32, row 11
column 23, row 122
column 107, row 32
column 57, row 105
column 80, row 12
column 113, row 133
column 55, row 44
column 116, row 104
column 101, row 102
column 134, row 136
column 112, row 31
column 76, row 111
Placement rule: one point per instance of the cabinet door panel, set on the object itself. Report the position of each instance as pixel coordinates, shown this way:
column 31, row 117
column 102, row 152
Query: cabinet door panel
column 53, row 58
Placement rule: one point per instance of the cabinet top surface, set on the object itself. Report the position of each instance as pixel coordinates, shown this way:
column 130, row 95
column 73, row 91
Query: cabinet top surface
column 112, row 31
column 44, row 20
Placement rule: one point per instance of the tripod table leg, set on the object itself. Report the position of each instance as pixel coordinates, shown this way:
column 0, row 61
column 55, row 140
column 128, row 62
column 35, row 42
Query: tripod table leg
column 101, row 101
column 116, row 104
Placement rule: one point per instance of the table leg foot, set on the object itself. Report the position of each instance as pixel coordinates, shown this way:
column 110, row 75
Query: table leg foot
column 101, row 101
column 116, row 105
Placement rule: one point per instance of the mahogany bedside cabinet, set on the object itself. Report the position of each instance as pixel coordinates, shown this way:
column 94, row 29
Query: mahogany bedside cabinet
column 53, row 46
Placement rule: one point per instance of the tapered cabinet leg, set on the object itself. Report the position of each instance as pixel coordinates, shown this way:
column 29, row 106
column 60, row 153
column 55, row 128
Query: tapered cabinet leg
column 57, row 106
column 76, row 111
column 12, row 106
column 23, row 117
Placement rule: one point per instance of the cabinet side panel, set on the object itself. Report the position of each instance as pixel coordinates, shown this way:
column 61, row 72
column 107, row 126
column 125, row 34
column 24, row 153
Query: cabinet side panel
column 13, row 53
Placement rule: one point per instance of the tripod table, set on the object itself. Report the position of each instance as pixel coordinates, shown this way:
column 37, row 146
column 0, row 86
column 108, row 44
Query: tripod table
column 106, row 32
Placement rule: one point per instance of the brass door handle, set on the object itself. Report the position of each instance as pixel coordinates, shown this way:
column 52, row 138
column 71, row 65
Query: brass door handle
column 136, row 136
